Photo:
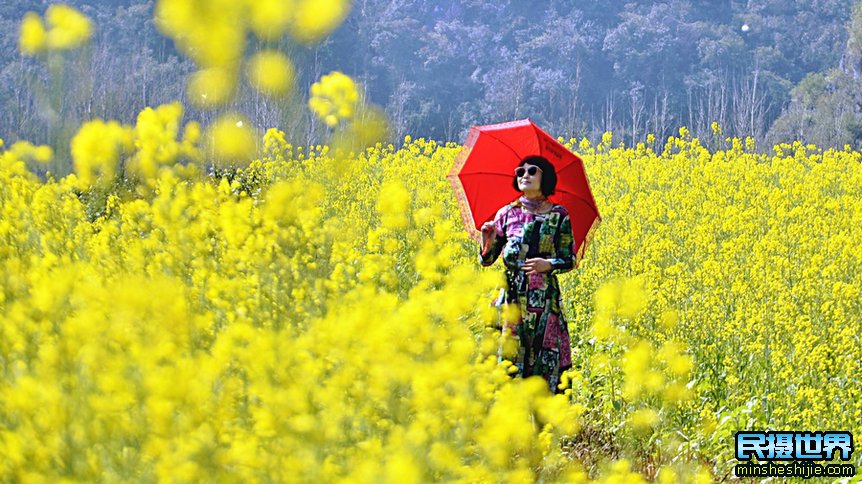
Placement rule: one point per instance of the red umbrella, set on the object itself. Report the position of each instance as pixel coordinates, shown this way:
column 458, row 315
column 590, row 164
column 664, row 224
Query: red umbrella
column 482, row 177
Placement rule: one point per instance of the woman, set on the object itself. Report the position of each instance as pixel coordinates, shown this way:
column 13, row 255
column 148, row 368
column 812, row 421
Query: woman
column 535, row 238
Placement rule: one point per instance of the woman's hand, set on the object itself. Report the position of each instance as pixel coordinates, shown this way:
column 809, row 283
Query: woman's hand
column 487, row 228
column 536, row 265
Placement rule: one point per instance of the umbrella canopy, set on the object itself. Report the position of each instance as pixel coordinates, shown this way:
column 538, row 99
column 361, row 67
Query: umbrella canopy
column 483, row 172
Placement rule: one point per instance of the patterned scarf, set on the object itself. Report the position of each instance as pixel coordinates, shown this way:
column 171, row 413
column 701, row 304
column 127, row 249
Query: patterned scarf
column 531, row 205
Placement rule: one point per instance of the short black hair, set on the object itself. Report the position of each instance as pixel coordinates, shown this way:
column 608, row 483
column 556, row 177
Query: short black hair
column 549, row 174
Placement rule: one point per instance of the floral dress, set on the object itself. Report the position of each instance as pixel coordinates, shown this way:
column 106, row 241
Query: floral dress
column 544, row 346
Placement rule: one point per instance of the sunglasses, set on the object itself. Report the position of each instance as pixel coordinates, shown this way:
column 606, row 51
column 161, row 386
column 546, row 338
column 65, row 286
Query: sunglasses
column 521, row 171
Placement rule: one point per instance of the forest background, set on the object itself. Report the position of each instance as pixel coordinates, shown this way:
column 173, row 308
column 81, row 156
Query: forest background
column 775, row 70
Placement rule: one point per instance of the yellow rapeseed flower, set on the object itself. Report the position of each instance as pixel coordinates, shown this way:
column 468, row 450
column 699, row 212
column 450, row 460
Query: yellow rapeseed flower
column 669, row 319
column 278, row 274
column 333, row 98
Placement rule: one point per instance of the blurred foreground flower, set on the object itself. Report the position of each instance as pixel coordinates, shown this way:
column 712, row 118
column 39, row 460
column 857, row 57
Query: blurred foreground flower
column 210, row 87
column 271, row 72
column 390, row 205
column 231, row 140
column 368, row 127
column 315, row 19
column 269, row 19
column 212, row 34
column 33, row 36
column 96, row 151
column 24, row 150
column 157, row 140
column 67, row 29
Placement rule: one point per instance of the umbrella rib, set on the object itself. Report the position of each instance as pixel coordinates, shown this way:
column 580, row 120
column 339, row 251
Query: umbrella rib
column 538, row 137
column 517, row 155
column 540, row 134
column 586, row 201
